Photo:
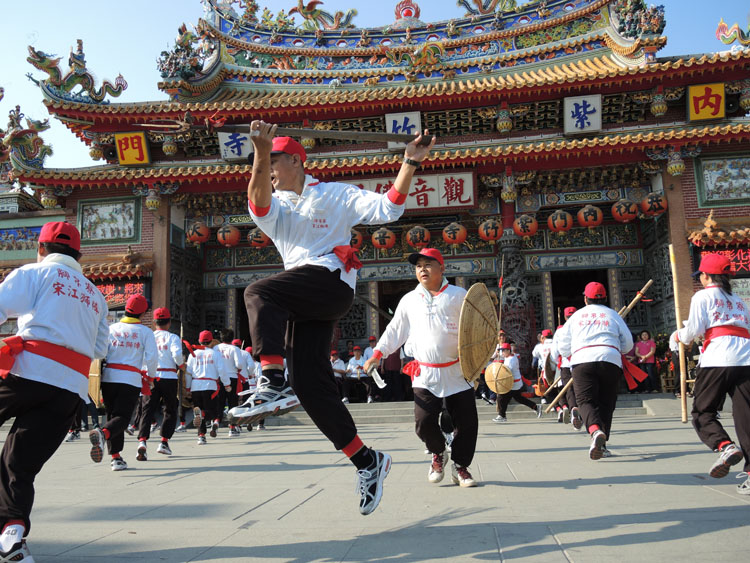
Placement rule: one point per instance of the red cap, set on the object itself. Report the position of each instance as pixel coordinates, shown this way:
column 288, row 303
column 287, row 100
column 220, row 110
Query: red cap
column 433, row 253
column 595, row 290
column 289, row 146
column 162, row 314
column 569, row 311
column 334, row 352
column 357, row 348
column 249, row 349
column 136, row 304
column 237, row 342
column 61, row 233
column 205, row 337
column 546, row 333
column 372, row 339
column 505, row 346
column 714, row 264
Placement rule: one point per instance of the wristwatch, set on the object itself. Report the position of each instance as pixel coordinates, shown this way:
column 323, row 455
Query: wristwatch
column 414, row 163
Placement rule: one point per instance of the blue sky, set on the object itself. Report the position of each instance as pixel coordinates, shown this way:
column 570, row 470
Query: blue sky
column 127, row 37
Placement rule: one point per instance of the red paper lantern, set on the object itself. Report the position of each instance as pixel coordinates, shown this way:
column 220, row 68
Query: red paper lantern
column 228, row 236
column 455, row 233
column 654, row 204
column 258, row 238
column 590, row 216
column 418, row 237
column 357, row 239
column 383, row 238
column 560, row 221
column 198, row 232
column 490, row 230
column 624, row 211
column 525, row 226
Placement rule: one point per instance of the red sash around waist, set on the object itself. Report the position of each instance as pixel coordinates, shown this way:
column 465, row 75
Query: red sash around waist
column 723, row 330
column 240, row 382
column 14, row 345
column 413, row 368
column 145, row 379
column 348, row 255
column 633, row 374
column 215, row 393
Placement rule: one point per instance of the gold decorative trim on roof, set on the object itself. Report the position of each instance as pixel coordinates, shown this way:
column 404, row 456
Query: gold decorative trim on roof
column 599, row 68
column 95, row 268
column 712, row 233
column 543, row 149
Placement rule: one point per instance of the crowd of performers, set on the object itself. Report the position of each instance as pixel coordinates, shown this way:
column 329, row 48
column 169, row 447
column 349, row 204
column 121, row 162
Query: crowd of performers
column 62, row 327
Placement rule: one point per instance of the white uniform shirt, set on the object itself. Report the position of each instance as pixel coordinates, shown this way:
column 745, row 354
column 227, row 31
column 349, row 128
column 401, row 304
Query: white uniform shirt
column 306, row 228
column 354, row 368
column 131, row 344
column 555, row 352
column 431, row 325
column 512, row 363
column 204, row 369
column 250, row 368
column 368, row 353
column 55, row 303
column 169, row 348
column 712, row 307
column 232, row 360
column 338, row 364
column 595, row 333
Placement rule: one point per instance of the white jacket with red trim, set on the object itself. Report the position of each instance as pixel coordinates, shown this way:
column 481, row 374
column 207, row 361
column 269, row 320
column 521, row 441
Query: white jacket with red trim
column 131, row 344
column 204, row 369
column 169, row 348
column 430, row 323
column 594, row 333
column 55, row 303
column 233, row 360
column 306, row 228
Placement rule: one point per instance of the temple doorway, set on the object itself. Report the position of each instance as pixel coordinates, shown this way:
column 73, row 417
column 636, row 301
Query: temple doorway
column 567, row 288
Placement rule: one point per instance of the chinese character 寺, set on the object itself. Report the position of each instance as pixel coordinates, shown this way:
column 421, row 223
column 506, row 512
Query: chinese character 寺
column 235, row 142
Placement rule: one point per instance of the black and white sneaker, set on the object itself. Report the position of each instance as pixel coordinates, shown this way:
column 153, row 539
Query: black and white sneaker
column 268, row 400
column 744, row 488
column 214, row 429
column 18, row 553
column 141, row 455
column 118, row 464
column 576, row 419
column 164, row 449
column 370, row 482
column 96, row 437
column 728, row 456
column 598, row 443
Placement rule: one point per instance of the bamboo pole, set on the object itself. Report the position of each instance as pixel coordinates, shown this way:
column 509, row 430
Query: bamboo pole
column 623, row 313
column 678, row 318
column 502, row 287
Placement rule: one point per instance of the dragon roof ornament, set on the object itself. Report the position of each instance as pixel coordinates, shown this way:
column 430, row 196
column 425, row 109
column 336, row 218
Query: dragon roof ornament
column 60, row 86
column 729, row 35
column 25, row 148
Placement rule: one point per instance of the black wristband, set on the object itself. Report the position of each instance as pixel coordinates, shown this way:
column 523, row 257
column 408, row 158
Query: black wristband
column 414, row 163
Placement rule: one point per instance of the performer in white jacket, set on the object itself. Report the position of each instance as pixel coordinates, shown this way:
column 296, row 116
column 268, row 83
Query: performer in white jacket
column 722, row 318
column 292, row 313
column 132, row 347
column 235, row 366
column 44, row 369
column 428, row 318
column 205, row 369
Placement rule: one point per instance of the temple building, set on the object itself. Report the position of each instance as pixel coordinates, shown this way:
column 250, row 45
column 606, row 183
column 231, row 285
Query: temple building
column 568, row 152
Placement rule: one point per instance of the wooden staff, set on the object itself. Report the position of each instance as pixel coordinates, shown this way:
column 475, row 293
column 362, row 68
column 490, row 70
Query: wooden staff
column 623, row 313
column 678, row 318
column 502, row 286
column 180, row 380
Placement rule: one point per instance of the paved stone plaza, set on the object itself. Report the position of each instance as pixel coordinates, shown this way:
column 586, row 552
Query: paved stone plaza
column 285, row 495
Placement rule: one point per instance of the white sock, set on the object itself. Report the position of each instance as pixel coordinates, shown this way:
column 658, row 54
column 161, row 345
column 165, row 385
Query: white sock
column 11, row 536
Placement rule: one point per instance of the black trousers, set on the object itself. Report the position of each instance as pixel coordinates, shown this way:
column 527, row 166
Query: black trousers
column 711, row 388
column 119, row 401
column 292, row 314
column 504, row 400
column 569, row 400
column 209, row 408
column 596, row 392
column 164, row 390
column 462, row 408
column 43, row 413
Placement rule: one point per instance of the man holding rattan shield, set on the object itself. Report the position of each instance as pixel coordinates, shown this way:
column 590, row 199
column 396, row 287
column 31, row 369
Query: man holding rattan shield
column 428, row 316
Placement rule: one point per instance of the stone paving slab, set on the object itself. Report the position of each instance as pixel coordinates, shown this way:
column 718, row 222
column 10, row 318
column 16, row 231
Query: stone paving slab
column 285, row 495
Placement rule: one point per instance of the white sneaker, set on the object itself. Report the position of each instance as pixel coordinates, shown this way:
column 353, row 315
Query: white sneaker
column 131, row 429
column 576, row 419
column 266, row 401
column 560, row 416
column 462, row 477
column 141, row 456
column 164, row 449
column 566, row 415
column 154, row 426
column 598, row 441
column 181, row 428
column 437, row 467
column 499, row 419
column 544, row 401
column 370, row 482
column 118, row 464
column 72, row 436
column 18, row 552
column 606, row 452
column 345, row 401
column 370, row 400
column 233, row 432
column 201, row 440
column 730, row 455
column 539, row 411
column 96, row 437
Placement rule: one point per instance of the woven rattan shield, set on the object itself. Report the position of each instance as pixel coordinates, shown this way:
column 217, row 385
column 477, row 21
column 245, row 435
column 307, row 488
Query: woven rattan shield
column 477, row 331
column 498, row 378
